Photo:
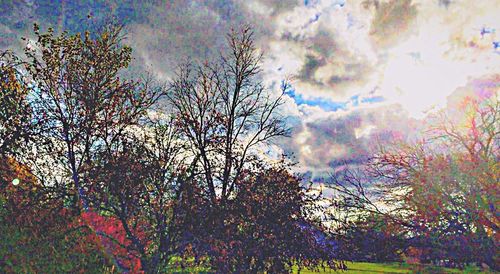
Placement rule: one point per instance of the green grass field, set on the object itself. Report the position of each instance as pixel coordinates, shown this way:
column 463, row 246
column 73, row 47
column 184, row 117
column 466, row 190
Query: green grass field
column 365, row 268
column 392, row 268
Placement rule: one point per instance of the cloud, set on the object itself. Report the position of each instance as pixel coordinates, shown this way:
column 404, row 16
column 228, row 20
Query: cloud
column 269, row 7
column 443, row 54
column 413, row 53
column 161, row 33
column 480, row 89
column 325, row 140
column 173, row 33
column 325, row 45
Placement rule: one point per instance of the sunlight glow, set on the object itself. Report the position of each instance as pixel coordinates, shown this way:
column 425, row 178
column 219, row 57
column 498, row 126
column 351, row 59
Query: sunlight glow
column 418, row 76
column 424, row 70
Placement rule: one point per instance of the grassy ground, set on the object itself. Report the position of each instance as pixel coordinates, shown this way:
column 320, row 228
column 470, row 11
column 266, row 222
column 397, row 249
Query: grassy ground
column 365, row 268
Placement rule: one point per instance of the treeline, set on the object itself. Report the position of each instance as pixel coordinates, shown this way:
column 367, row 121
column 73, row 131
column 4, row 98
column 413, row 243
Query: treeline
column 105, row 173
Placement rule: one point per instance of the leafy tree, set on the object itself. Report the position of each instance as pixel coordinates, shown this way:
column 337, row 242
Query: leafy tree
column 83, row 112
column 101, row 146
column 80, row 104
column 272, row 227
column 15, row 112
column 38, row 235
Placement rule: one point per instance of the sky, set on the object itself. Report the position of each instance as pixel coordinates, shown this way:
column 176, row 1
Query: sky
column 365, row 73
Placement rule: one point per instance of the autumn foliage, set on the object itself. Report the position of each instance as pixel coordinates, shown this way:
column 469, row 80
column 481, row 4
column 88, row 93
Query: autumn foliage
column 39, row 234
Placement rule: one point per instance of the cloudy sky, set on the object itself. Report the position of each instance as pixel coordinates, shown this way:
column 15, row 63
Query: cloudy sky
column 365, row 72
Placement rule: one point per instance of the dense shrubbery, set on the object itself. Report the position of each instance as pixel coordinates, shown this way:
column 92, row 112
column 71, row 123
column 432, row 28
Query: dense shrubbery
column 372, row 239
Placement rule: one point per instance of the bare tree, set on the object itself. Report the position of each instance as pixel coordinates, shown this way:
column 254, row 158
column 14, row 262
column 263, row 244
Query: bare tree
column 224, row 111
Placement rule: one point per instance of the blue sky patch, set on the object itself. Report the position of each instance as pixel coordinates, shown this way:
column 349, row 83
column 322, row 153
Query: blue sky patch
column 330, row 105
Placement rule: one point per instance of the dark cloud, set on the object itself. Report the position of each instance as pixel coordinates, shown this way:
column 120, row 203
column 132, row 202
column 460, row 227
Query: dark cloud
column 331, row 65
column 70, row 16
column 324, row 44
column 445, row 3
column 161, row 33
column 335, row 74
column 311, row 64
column 392, row 20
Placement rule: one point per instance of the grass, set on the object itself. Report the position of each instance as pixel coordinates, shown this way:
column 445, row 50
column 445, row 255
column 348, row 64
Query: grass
column 364, row 268
column 352, row 267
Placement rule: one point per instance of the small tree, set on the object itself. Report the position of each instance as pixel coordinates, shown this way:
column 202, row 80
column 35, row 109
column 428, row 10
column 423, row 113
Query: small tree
column 139, row 184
